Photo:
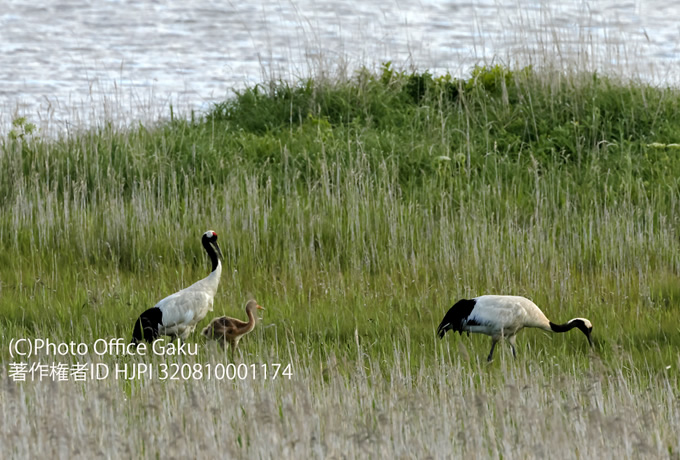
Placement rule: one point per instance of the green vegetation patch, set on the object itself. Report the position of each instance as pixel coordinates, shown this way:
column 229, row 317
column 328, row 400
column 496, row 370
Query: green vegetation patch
column 357, row 212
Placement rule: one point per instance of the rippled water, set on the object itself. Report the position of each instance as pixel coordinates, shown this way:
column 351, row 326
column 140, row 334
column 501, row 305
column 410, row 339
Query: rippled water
column 68, row 62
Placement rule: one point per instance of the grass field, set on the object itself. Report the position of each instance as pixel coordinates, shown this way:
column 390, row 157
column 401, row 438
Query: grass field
column 357, row 212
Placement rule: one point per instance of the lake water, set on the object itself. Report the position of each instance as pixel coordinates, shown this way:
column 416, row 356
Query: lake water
column 69, row 63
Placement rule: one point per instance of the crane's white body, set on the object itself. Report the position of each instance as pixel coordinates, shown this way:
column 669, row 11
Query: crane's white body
column 505, row 315
column 184, row 309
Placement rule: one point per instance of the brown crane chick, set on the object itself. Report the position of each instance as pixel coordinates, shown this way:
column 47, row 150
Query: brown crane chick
column 231, row 330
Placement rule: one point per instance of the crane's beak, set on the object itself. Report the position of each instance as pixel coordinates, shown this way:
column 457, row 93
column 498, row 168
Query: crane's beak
column 590, row 340
column 260, row 307
column 219, row 253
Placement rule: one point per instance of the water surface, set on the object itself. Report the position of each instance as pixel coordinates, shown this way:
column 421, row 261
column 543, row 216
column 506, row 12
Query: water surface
column 65, row 63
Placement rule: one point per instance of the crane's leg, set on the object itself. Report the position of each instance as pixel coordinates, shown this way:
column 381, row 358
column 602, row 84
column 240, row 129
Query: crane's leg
column 234, row 346
column 511, row 339
column 494, row 340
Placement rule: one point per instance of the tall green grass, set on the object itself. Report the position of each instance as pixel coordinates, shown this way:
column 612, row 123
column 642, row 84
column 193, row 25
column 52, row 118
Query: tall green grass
column 357, row 212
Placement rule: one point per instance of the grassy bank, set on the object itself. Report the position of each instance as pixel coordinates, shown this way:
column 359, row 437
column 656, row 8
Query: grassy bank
column 357, row 212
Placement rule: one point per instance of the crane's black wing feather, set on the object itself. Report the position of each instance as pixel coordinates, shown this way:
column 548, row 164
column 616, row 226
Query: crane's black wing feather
column 457, row 317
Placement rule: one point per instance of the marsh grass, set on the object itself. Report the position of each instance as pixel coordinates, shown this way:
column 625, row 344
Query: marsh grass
column 335, row 407
column 357, row 211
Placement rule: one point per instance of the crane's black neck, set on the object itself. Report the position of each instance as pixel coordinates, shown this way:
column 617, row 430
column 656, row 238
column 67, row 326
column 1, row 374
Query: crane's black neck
column 564, row 327
column 211, row 252
column 574, row 323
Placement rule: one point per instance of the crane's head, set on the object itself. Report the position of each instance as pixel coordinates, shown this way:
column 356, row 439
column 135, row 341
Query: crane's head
column 211, row 238
column 584, row 326
column 252, row 305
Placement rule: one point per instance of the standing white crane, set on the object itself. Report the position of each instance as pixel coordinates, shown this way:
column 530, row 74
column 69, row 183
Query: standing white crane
column 178, row 314
column 503, row 316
